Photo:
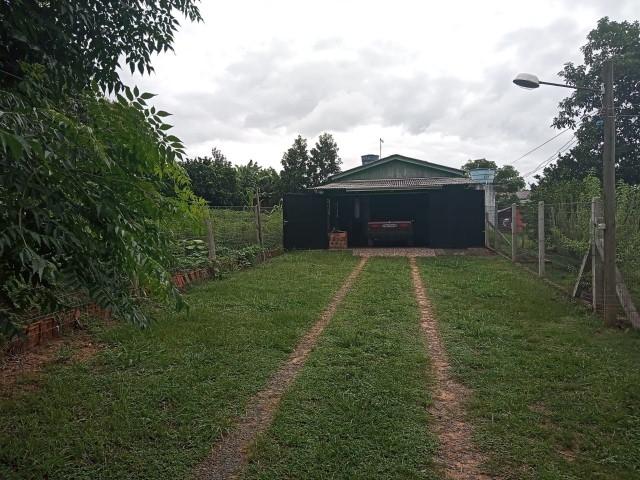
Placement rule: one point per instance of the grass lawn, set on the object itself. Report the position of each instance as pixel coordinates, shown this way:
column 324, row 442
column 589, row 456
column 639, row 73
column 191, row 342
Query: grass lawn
column 556, row 396
column 358, row 408
column 152, row 403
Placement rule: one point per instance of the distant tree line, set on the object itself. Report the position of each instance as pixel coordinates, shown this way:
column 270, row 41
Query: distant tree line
column 219, row 182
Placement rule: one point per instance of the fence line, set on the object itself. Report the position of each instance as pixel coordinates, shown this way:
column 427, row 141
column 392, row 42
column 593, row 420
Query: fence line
column 245, row 233
column 562, row 243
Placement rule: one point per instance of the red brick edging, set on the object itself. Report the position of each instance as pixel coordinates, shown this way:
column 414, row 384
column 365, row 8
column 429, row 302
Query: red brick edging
column 51, row 326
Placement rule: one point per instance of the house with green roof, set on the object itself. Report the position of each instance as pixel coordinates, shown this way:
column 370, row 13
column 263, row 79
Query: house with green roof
column 437, row 206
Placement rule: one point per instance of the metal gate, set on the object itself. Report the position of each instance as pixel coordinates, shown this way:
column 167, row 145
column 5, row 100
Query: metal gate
column 304, row 221
column 456, row 218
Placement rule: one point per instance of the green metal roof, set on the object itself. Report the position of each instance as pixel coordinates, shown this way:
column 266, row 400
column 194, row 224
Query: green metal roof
column 447, row 171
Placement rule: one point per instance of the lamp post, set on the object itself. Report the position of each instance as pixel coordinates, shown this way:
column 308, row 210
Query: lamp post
column 530, row 81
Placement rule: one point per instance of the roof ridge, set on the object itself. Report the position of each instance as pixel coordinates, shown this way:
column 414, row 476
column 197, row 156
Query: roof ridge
column 411, row 182
column 397, row 156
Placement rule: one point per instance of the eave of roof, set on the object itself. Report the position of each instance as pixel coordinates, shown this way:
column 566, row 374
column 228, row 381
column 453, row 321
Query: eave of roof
column 395, row 184
column 395, row 156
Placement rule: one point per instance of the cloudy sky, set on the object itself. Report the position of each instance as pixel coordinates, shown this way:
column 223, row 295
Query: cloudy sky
column 433, row 79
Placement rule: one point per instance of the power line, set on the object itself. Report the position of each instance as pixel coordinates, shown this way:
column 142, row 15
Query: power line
column 540, row 146
column 551, row 158
column 548, row 160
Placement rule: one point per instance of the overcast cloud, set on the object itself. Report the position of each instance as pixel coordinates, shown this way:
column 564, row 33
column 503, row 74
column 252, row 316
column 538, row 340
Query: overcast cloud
column 432, row 79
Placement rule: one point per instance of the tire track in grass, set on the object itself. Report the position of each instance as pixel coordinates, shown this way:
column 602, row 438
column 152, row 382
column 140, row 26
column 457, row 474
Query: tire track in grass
column 229, row 456
column 457, row 456
column 358, row 409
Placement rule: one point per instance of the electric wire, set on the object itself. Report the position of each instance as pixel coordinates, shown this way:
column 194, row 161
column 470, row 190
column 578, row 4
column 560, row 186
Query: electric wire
column 539, row 146
column 572, row 141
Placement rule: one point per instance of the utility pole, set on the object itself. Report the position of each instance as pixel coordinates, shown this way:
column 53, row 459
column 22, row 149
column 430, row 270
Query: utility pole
column 609, row 190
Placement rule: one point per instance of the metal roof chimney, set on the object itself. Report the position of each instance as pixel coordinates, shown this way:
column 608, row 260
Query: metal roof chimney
column 369, row 158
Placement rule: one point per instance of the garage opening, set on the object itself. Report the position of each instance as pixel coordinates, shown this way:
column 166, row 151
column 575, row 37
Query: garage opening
column 445, row 218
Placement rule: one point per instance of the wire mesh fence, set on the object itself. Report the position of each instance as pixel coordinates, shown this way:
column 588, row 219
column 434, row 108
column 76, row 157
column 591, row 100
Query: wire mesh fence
column 628, row 237
column 560, row 242
column 227, row 234
column 567, row 242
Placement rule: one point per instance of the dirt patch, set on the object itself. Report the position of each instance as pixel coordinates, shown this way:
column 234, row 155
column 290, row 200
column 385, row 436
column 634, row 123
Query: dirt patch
column 420, row 252
column 394, row 252
column 21, row 372
column 230, row 454
column 457, row 456
column 464, row 252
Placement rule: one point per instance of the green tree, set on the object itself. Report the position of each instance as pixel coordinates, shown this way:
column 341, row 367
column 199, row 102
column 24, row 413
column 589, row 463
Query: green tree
column 323, row 161
column 581, row 110
column 88, row 186
column 213, row 178
column 479, row 163
column 295, row 167
column 83, row 41
column 252, row 176
column 507, row 180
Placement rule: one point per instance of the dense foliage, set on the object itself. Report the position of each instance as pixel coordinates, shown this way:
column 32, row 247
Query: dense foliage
column 83, row 41
column 569, row 210
column 619, row 41
column 213, row 178
column 88, row 185
column 302, row 170
column 295, row 166
column 324, row 160
column 267, row 180
column 221, row 183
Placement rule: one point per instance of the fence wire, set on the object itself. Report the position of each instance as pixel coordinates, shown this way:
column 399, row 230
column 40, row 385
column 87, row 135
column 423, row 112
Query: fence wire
column 237, row 232
column 567, row 241
column 567, row 235
column 628, row 238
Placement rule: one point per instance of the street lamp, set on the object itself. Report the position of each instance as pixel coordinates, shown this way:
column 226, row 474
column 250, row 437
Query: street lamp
column 530, row 82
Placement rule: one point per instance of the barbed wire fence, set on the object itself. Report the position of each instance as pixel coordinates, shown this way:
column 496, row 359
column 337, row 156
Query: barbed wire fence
column 562, row 243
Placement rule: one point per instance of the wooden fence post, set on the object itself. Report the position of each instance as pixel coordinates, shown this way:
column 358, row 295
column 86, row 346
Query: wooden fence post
column 541, row 247
column 514, row 232
column 597, row 279
column 211, row 241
